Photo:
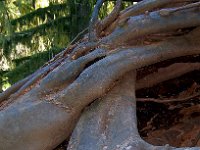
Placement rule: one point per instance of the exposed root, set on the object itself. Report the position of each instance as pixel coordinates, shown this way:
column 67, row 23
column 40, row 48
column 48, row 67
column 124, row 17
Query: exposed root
column 93, row 20
column 37, row 76
column 139, row 26
column 109, row 19
column 14, row 88
column 107, row 119
column 122, row 62
column 168, row 100
column 82, row 49
column 189, row 6
column 98, row 68
column 143, row 7
column 68, row 72
column 164, row 74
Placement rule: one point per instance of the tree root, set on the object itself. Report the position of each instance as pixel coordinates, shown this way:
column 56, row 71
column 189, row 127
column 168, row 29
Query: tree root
column 94, row 20
column 143, row 7
column 20, row 87
column 168, row 100
column 83, row 91
column 189, row 6
column 13, row 89
column 164, row 74
column 49, row 105
column 110, row 123
column 69, row 71
column 109, row 19
column 139, row 26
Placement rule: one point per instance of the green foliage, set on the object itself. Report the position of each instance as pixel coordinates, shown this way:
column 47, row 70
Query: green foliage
column 60, row 20
column 41, row 30
column 44, row 14
column 30, row 31
column 28, row 65
column 80, row 11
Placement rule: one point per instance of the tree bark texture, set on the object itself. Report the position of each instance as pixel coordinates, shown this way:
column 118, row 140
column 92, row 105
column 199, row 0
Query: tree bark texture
column 87, row 93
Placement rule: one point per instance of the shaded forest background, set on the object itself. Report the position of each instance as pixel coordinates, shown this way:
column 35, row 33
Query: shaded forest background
column 34, row 31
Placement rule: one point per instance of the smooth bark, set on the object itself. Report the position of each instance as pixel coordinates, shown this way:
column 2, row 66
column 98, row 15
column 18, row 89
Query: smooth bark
column 42, row 110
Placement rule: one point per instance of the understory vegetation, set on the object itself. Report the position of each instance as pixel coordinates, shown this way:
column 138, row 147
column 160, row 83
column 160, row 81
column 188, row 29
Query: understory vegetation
column 33, row 32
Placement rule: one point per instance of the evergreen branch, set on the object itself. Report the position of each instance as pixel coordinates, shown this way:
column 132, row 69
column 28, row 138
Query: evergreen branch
column 38, row 13
column 18, row 36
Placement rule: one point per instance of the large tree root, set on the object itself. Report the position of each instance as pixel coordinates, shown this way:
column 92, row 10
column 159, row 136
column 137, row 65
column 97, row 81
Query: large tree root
column 110, row 123
column 42, row 110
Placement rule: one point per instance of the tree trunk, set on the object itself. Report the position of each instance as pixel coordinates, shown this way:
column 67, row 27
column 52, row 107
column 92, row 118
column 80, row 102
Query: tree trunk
column 87, row 92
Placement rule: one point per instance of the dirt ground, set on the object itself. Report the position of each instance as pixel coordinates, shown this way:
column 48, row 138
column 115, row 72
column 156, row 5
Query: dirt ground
column 178, row 122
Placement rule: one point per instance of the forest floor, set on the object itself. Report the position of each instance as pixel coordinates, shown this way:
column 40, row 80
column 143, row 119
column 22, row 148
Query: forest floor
column 176, row 123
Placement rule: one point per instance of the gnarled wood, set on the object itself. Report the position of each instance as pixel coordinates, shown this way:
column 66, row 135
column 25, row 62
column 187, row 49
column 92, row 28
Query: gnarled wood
column 41, row 112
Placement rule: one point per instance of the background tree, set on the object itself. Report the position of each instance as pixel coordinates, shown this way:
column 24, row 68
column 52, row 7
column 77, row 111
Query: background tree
column 32, row 32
